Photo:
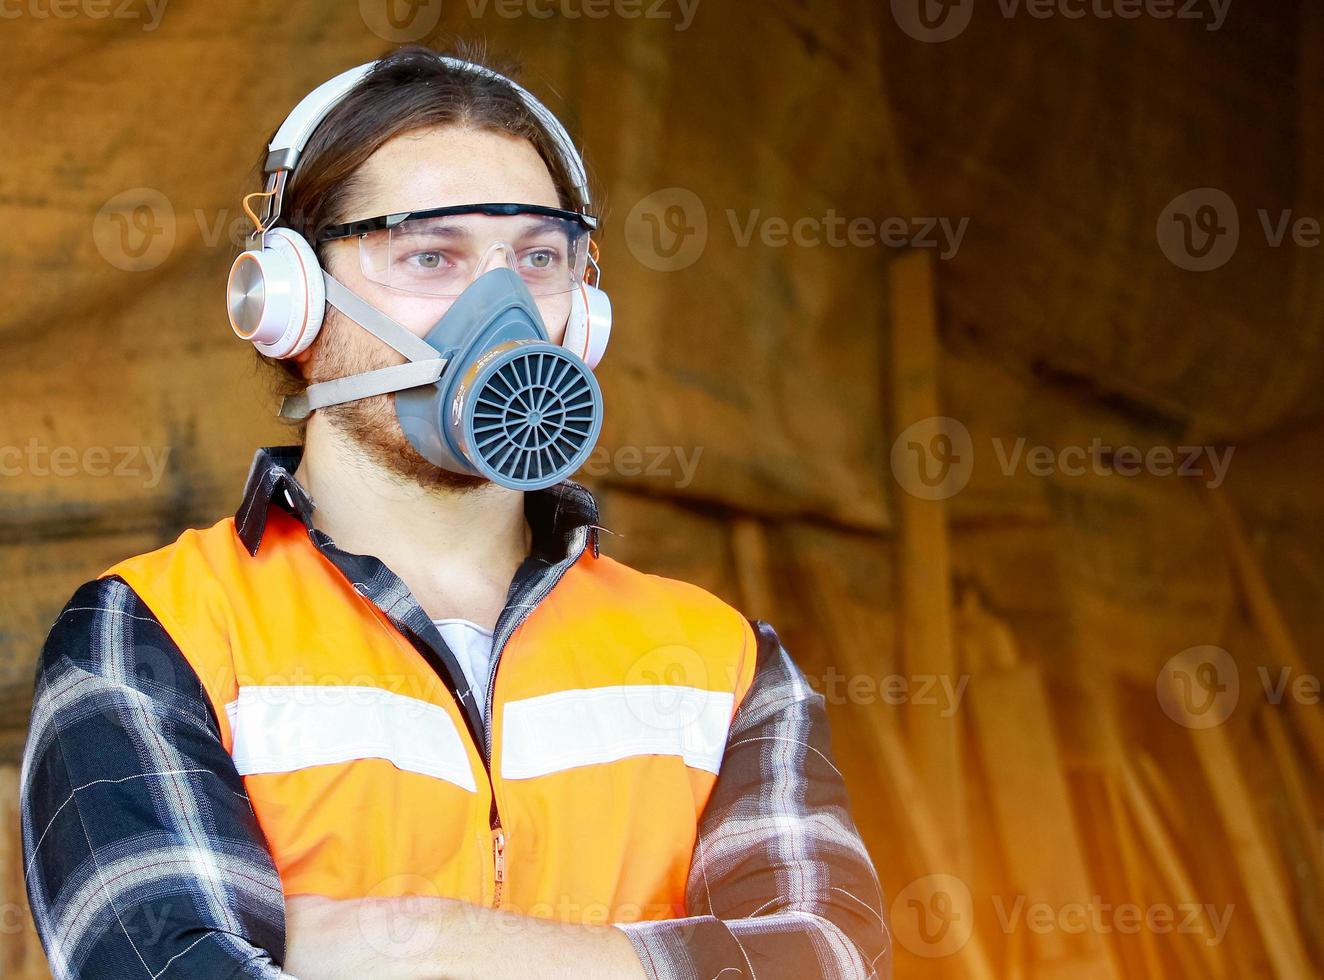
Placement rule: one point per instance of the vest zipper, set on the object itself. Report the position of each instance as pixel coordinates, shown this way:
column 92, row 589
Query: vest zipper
column 506, row 627
column 498, row 862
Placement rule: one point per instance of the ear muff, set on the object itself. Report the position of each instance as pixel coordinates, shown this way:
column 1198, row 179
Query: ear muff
column 589, row 327
column 276, row 296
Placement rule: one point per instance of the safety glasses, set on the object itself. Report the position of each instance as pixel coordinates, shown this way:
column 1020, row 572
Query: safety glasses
column 440, row 251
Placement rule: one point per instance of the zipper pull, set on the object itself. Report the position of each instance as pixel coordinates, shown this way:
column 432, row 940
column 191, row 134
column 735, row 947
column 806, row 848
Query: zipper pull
column 499, row 856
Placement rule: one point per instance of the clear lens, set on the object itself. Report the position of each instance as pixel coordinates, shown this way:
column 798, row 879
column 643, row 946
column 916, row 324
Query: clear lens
column 442, row 256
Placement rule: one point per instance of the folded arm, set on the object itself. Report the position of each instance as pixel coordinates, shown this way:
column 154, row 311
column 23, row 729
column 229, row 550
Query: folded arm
column 143, row 857
column 781, row 886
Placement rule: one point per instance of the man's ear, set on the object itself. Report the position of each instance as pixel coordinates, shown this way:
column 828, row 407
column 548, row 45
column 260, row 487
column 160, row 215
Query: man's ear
column 302, row 357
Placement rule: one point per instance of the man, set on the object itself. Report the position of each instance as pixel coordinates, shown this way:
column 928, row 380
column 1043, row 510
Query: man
column 281, row 746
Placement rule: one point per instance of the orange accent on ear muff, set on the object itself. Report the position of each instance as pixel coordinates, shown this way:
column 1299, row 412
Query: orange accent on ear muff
column 257, row 222
column 592, row 266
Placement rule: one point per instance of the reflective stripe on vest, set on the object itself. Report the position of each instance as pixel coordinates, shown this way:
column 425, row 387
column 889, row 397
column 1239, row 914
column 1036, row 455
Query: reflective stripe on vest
column 610, row 714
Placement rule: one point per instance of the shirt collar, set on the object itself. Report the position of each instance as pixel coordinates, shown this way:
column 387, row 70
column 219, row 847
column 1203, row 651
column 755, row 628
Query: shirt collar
column 554, row 514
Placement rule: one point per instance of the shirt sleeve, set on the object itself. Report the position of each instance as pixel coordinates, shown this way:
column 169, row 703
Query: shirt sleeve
column 143, row 856
column 781, row 887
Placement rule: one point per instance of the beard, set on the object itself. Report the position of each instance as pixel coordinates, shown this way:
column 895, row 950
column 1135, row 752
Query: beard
column 343, row 348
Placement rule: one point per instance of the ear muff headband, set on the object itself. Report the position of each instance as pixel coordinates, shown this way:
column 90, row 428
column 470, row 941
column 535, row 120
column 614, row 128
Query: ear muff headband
column 292, row 137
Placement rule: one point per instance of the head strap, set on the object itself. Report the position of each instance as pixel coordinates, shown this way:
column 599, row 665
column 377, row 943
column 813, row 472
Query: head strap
column 294, row 133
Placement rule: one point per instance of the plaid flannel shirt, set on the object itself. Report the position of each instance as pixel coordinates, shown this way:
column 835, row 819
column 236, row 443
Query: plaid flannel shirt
column 144, row 857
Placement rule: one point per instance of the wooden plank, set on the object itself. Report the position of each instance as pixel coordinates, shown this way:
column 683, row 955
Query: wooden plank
column 41, row 575
column 1269, row 619
column 911, row 795
column 924, row 560
column 849, row 635
column 1102, row 712
column 1294, row 785
column 1165, row 853
column 1032, row 805
column 1132, row 869
column 21, row 955
column 984, row 640
column 749, row 543
column 11, row 873
column 1270, row 904
column 1304, row 845
column 1153, row 781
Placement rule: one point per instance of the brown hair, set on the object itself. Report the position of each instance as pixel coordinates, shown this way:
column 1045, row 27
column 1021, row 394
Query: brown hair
column 408, row 89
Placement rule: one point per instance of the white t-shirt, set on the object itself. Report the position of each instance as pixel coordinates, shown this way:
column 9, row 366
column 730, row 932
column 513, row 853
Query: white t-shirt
column 472, row 646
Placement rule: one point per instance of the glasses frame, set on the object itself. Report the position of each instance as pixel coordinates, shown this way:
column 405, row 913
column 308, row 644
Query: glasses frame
column 355, row 229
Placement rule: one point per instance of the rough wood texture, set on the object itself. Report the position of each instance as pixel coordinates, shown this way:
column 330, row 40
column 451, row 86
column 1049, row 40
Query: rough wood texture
column 21, row 956
column 1251, row 849
column 1059, row 321
column 923, row 552
column 1034, row 814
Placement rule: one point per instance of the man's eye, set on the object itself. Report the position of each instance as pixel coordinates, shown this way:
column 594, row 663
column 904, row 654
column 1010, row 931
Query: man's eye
column 542, row 259
column 426, row 260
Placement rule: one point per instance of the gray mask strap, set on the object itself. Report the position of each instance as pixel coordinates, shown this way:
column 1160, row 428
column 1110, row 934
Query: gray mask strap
column 376, row 322
column 380, row 382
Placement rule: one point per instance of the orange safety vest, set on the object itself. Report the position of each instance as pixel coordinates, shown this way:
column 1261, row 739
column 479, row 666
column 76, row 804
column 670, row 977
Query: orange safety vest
column 610, row 712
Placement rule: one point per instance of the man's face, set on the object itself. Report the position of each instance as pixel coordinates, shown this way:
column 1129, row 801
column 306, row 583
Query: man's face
column 429, row 168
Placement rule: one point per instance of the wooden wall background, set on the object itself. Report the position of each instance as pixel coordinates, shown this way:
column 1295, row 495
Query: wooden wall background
column 1059, row 779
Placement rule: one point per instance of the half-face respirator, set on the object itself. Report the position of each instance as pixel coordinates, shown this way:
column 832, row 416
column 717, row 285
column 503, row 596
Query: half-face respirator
column 485, row 391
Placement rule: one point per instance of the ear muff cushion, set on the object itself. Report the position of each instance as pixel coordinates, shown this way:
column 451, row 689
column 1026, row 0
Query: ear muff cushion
column 589, row 327
column 302, row 275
